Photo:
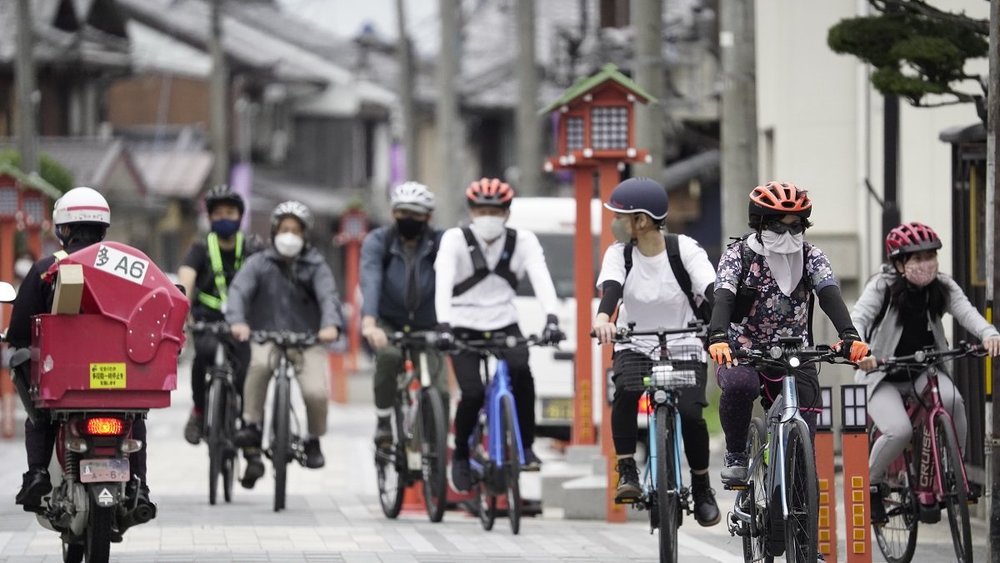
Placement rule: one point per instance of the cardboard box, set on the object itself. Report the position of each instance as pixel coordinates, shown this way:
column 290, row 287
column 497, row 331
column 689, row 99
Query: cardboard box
column 69, row 290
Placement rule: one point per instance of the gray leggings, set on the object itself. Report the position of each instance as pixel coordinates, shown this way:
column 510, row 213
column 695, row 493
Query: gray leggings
column 888, row 412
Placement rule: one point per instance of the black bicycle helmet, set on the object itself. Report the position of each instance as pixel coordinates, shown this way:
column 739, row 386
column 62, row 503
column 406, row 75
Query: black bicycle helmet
column 222, row 194
column 639, row 195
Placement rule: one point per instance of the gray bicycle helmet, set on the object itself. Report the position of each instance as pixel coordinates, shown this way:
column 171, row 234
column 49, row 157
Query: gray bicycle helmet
column 413, row 196
column 292, row 208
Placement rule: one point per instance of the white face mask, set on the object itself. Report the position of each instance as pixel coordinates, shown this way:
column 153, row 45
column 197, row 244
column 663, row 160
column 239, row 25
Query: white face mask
column 785, row 243
column 288, row 244
column 489, row 227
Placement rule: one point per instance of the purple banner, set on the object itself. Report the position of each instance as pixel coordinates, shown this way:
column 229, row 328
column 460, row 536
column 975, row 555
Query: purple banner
column 241, row 181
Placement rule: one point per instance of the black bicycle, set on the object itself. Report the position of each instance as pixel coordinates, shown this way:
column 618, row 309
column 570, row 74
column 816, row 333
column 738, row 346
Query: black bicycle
column 223, row 408
column 419, row 449
column 286, row 437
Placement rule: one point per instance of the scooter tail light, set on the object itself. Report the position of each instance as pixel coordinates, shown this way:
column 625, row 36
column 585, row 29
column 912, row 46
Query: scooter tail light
column 105, row 426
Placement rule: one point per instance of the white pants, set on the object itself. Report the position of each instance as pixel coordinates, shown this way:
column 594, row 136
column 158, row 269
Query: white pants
column 887, row 411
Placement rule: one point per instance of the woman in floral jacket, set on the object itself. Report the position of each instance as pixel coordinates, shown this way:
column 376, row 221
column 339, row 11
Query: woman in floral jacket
column 763, row 292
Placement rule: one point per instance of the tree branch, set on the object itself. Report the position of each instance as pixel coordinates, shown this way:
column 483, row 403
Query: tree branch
column 920, row 7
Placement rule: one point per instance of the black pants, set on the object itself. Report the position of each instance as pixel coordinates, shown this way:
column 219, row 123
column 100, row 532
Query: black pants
column 468, row 372
column 39, row 439
column 204, row 358
column 628, row 366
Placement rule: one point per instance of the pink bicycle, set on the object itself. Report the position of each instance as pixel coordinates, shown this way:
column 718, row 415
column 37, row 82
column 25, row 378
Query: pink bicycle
column 930, row 474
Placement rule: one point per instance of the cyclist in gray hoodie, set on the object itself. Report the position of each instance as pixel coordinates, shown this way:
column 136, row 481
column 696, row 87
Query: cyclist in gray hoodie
column 287, row 287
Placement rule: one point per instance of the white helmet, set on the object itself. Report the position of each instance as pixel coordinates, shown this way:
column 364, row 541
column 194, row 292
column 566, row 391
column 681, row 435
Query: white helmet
column 413, row 196
column 81, row 205
column 291, row 208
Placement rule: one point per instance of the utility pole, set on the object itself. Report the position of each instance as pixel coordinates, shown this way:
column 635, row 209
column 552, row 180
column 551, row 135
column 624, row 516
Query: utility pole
column 890, row 194
column 447, row 118
column 529, row 152
column 406, row 92
column 992, row 277
column 25, row 76
column 647, row 19
column 219, row 98
column 739, row 112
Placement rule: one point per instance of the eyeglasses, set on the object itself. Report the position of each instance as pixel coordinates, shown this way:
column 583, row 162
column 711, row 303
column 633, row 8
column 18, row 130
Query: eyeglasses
column 782, row 228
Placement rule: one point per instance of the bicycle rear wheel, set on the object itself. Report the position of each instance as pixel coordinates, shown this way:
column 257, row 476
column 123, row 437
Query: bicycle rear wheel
column 802, row 494
column 512, row 463
column 434, row 452
column 390, row 466
column 897, row 538
column 954, row 495
column 230, row 463
column 215, row 432
column 755, row 542
column 666, row 484
column 281, row 444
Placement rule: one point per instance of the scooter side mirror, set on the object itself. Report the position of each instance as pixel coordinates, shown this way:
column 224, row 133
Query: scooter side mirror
column 7, row 292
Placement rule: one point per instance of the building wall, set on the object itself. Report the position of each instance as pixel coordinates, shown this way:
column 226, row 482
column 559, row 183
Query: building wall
column 136, row 101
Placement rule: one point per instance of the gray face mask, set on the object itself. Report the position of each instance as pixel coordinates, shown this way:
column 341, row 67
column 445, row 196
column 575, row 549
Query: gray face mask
column 620, row 228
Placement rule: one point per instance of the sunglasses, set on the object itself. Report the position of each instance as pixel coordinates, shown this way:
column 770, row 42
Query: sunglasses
column 782, row 228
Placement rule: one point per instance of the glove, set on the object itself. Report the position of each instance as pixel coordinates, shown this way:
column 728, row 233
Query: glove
column 851, row 346
column 551, row 333
column 721, row 353
column 446, row 338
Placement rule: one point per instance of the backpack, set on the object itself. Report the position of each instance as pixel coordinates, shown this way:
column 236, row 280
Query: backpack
column 704, row 311
column 480, row 270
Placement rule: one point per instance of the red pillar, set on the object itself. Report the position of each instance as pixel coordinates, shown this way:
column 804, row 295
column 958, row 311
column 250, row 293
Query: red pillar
column 352, row 267
column 827, row 480
column 8, row 230
column 583, row 421
column 857, row 511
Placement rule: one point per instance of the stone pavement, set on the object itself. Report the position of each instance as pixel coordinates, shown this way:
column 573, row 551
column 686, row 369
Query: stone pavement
column 333, row 514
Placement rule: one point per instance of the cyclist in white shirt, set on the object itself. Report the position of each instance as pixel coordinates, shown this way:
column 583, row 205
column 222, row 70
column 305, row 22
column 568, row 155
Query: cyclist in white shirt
column 478, row 268
column 661, row 282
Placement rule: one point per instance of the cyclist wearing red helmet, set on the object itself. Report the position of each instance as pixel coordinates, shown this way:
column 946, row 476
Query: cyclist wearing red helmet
column 477, row 271
column 764, row 292
column 900, row 310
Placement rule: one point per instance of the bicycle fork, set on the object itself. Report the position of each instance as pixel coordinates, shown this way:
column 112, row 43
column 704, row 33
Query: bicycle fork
column 499, row 389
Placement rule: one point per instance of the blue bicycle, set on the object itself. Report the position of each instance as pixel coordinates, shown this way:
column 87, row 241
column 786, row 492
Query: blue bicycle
column 660, row 373
column 496, row 453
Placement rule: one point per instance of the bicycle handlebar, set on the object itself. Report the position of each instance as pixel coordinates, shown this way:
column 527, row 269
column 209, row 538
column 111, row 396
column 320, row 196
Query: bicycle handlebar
column 625, row 334
column 284, row 338
column 928, row 357
column 415, row 338
column 790, row 357
column 498, row 342
column 218, row 328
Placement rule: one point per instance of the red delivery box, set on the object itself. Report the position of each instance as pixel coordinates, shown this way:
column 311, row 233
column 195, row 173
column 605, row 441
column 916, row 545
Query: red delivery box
column 121, row 350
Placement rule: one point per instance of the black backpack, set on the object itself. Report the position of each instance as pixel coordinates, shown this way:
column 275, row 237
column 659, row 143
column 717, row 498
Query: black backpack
column 704, row 311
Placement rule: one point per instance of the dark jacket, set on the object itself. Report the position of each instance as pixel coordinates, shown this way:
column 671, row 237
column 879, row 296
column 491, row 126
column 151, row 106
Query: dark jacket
column 34, row 297
column 397, row 289
column 272, row 293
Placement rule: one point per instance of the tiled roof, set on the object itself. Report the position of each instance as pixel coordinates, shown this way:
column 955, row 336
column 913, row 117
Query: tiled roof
column 88, row 45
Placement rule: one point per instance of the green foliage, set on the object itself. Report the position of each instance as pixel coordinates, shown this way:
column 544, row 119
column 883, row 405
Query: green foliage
column 48, row 168
column 916, row 49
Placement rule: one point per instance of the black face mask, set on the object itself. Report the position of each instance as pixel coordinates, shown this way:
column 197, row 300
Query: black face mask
column 410, row 228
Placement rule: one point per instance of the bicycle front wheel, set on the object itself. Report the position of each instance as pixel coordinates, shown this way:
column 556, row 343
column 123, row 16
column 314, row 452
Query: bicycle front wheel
column 215, row 432
column 754, row 499
column 230, row 463
column 512, row 463
column 667, row 500
column 953, row 492
column 802, row 494
column 282, row 442
column 434, row 452
column 390, row 466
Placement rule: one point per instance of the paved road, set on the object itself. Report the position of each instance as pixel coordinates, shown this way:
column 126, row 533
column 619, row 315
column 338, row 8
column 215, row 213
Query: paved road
column 333, row 515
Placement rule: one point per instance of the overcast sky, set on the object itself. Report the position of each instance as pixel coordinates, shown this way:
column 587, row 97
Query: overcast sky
column 346, row 18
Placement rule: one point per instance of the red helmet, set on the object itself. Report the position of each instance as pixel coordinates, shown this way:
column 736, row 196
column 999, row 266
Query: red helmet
column 909, row 238
column 780, row 198
column 489, row 192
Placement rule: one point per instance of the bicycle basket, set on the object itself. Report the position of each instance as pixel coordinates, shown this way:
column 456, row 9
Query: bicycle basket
column 678, row 369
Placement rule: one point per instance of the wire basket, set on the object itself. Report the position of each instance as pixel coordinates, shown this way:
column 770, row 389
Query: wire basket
column 677, row 369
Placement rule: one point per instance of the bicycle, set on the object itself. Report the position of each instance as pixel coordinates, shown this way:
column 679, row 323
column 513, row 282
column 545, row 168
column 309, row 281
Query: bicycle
column 420, row 425
column 223, row 407
column 286, row 441
column 496, row 453
column 919, row 486
column 777, row 510
column 660, row 374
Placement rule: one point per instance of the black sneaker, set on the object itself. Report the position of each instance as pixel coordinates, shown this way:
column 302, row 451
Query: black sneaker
column 195, row 428
column 314, row 456
column 383, row 433
column 461, row 474
column 628, row 490
column 254, row 470
column 736, row 472
column 248, row 436
column 35, row 485
column 706, row 511
column 879, row 516
column 531, row 461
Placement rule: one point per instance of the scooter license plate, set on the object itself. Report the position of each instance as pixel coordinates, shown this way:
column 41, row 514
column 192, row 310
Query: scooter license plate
column 104, row 470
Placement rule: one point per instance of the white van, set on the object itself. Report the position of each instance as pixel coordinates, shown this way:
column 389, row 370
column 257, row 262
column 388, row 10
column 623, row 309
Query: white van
column 553, row 220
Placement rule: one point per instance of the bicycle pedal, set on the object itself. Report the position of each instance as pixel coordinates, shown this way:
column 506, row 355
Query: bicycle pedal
column 735, row 486
column 628, row 501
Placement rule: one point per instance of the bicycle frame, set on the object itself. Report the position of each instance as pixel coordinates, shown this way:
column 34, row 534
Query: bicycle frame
column 497, row 387
column 649, row 478
column 923, row 411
